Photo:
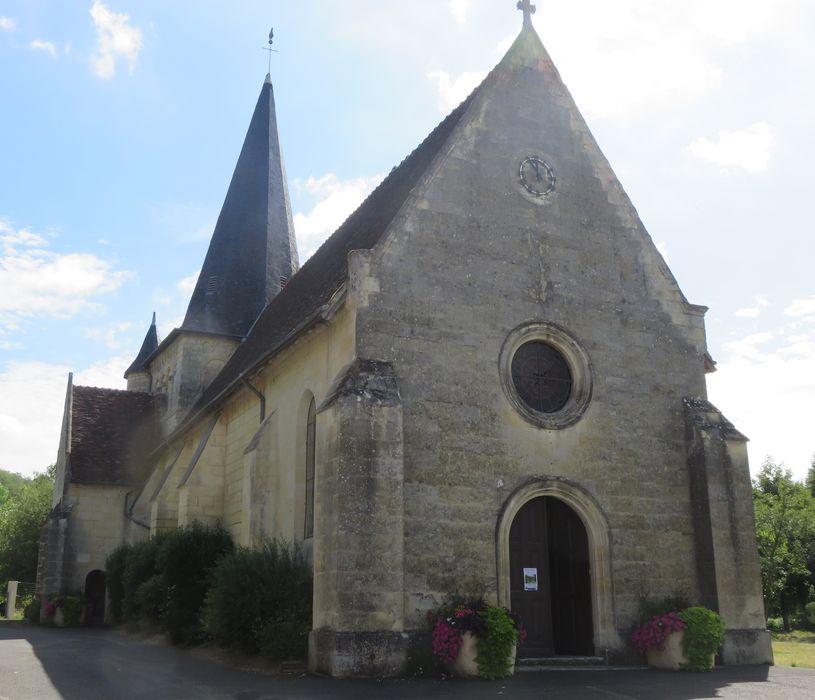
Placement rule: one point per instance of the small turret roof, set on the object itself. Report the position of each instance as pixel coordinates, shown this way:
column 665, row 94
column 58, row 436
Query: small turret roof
column 253, row 250
column 148, row 347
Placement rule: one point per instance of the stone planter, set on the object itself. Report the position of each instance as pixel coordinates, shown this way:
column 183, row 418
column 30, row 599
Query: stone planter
column 465, row 665
column 671, row 658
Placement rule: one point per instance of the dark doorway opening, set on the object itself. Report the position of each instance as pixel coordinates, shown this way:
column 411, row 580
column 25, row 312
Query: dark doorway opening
column 550, row 581
column 95, row 590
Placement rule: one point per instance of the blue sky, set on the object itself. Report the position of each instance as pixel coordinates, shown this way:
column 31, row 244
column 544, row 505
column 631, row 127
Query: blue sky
column 122, row 120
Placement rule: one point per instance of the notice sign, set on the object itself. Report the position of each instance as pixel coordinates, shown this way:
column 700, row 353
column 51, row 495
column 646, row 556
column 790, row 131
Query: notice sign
column 530, row 579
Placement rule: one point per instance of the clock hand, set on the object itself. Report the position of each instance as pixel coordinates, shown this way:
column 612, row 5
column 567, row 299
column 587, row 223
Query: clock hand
column 537, row 167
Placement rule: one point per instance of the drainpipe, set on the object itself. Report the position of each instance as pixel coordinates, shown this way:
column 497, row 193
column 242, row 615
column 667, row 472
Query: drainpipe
column 260, row 396
column 129, row 515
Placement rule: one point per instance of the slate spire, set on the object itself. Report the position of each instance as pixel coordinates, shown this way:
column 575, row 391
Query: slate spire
column 253, row 251
column 148, row 347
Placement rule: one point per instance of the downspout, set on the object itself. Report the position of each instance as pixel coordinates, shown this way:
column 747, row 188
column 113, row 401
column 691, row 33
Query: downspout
column 260, row 396
column 129, row 515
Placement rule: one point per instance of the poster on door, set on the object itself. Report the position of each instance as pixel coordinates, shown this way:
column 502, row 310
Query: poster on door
column 530, row 579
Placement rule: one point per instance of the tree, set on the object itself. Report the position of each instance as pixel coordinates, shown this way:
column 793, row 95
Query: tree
column 785, row 529
column 21, row 519
column 12, row 482
column 811, row 477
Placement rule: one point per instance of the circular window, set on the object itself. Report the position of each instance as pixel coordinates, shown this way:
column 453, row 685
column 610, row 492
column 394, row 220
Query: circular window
column 546, row 375
column 541, row 377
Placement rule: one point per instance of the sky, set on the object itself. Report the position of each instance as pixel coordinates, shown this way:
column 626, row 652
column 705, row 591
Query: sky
column 121, row 122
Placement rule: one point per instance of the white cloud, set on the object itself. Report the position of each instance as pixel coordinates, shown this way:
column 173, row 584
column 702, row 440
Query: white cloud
column 335, row 200
column 749, row 149
column 749, row 347
column 732, row 22
column 748, row 312
column 44, row 46
column 7, row 24
column 629, row 57
column 108, row 373
column 801, row 308
column 768, row 391
column 115, row 38
column 37, row 282
column 109, row 335
column 452, row 92
column 459, row 9
column 32, row 396
column 187, row 285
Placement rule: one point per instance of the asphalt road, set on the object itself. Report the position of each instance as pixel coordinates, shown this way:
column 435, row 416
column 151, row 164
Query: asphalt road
column 85, row 664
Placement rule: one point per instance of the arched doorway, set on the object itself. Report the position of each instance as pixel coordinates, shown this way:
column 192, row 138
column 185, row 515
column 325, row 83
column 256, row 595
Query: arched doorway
column 550, row 584
column 581, row 503
column 95, row 591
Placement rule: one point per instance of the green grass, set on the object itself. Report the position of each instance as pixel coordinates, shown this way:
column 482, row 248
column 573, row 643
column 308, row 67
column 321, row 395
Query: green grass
column 794, row 649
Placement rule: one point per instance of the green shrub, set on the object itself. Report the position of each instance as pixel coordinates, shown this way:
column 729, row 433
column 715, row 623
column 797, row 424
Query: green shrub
column 150, row 599
column 775, row 624
column 810, row 612
column 283, row 641
column 32, row 611
column 115, row 573
column 253, row 591
column 495, row 647
column 140, row 566
column 703, row 636
column 185, row 559
column 72, row 607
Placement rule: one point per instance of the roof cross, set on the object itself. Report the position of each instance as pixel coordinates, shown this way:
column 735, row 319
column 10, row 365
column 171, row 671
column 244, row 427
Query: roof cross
column 270, row 49
column 528, row 9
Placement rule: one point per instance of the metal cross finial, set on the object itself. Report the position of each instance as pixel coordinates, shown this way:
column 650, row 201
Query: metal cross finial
column 528, row 9
column 270, row 49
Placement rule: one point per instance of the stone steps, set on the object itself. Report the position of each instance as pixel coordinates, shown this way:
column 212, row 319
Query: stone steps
column 554, row 663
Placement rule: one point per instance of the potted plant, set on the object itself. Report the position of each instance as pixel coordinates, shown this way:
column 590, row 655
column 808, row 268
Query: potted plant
column 687, row 639
column 64, row 611
column 475, row 639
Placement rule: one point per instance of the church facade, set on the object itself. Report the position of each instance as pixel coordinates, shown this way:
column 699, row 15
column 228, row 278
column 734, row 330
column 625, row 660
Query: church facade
column 488, row 368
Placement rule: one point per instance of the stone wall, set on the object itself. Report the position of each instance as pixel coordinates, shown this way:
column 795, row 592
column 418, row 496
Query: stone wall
column 97, row 527
column 473, row 257
column 249, row 473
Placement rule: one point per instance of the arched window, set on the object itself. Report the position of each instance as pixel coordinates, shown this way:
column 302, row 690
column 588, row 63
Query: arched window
column 311, row 434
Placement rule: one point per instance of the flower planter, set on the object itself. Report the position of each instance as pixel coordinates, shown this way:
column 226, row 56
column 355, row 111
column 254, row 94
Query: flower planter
column 671, row 657
column 465, row 665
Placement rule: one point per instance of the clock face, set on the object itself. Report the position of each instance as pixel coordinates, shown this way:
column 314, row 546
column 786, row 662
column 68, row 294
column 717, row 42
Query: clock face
column 537, row 176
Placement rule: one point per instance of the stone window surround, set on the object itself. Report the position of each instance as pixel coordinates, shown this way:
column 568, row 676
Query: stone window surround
column 606, row 636
column 579, row 366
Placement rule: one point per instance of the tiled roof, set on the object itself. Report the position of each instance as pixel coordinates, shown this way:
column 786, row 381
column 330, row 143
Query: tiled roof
column 112, row 432
column 323, row 274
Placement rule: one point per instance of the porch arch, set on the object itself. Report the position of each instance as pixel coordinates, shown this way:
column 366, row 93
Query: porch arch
column 597, row 529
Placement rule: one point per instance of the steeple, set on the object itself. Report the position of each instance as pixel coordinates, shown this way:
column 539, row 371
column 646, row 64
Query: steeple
column 253, row 251
column 138, row 374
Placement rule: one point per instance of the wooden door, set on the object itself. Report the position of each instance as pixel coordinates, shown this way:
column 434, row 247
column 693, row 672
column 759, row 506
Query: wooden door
column 549, row 538
column 528, row 549
column 570, row 581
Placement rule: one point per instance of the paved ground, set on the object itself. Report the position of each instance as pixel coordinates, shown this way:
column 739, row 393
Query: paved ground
column 44, row 664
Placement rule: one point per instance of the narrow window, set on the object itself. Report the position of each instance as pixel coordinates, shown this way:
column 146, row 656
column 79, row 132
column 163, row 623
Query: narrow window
column 311, row 431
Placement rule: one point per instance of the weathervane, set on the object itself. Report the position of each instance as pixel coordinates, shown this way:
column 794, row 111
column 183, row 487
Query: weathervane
column 528, row 9
column 271, row 50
